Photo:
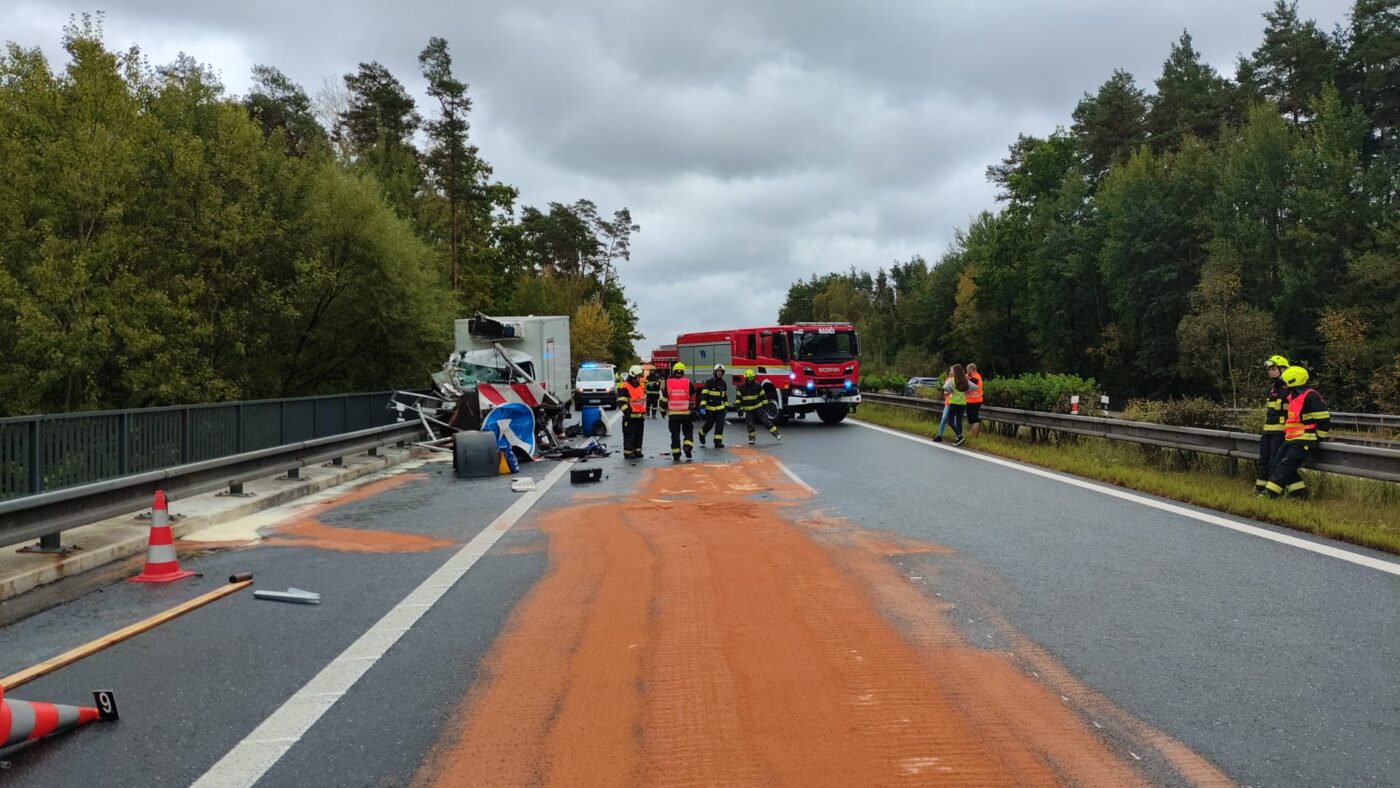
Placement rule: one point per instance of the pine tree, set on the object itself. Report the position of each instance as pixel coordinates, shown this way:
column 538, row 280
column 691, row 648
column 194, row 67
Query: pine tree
column 1191, row 100
column 1295, row 61
column 1111, row 124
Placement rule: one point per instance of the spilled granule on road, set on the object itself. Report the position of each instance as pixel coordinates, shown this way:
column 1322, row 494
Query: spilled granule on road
column 709, row 640
column 305, row 530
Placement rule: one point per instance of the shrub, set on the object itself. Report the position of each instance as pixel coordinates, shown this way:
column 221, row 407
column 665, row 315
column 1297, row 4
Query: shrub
column 1043, row 392
column 892, row 382
column 1185, row 412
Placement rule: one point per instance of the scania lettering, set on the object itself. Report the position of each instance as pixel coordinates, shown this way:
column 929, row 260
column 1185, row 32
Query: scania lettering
column 805, row 367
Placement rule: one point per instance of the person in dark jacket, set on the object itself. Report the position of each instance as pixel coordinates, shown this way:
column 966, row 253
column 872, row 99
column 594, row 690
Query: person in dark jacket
column 653, row 392
column 1305, row 423
column 1272, row 439
column 753, row 402
column 714, row 401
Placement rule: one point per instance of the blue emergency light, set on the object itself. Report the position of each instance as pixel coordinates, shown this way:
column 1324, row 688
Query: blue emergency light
column 811, row 384
column 849, row 383
column 588, row 365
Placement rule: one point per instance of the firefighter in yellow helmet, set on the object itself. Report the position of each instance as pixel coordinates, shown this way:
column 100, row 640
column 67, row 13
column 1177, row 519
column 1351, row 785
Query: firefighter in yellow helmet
column 678, row 400
column 1272, row 439
column 753, row 402
column 714, row 401
column 1305, row 423
column 632, row 402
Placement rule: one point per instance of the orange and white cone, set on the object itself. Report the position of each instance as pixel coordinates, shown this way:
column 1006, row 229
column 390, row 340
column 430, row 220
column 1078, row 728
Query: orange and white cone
column 22, row 721
column 162, row 565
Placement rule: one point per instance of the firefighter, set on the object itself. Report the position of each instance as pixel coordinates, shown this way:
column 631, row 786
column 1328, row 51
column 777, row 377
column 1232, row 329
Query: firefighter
column 1305, row 423
column 1274, row 414
column 678, row 400
column 653, row 391
column 632, row 402
column 752, row 401
column 714, row 401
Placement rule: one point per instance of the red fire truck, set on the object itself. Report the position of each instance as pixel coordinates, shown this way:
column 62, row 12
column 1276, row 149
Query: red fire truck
column 806, row 367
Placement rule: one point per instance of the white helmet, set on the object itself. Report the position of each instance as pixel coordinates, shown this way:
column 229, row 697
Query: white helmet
column 719, row 367
column 635, row 371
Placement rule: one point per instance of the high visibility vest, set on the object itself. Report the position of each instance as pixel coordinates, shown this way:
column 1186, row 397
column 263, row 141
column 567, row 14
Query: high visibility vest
column 1295, row 428
column 974, row 389
column 636, row 397
column 677, row 396
column 956, row 397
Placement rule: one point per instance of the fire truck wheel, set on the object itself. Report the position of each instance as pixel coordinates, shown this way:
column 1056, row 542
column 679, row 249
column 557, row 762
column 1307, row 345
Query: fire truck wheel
column 774, row 408
column 832, row 414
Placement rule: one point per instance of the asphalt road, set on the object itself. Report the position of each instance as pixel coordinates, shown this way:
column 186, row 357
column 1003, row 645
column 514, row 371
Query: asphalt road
column 1278, row 665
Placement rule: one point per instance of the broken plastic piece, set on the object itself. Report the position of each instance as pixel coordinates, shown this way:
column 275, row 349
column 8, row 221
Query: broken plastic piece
column 295, row 595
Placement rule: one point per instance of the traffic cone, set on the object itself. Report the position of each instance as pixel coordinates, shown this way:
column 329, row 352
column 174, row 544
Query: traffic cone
column 22, row 721
column 162, row 566
column 502, row 467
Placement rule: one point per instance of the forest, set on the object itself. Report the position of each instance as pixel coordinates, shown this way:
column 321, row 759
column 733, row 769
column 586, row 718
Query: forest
column 1172, row 238
column 163, row 241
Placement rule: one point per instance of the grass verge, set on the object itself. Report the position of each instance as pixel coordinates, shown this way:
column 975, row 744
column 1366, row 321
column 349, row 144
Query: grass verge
column 1360, row 511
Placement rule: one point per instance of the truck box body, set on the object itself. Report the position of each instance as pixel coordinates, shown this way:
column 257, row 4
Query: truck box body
column 544, row 339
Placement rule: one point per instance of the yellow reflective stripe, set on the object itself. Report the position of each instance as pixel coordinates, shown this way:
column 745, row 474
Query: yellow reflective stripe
column 1315, row 415
column 1274, row 404
column 1296, row 486
column 1274, row 487
column 1274, row 427
column 1307, row 436
column 1322, row 433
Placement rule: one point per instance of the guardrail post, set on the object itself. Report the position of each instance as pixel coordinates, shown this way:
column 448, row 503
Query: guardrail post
column 36, row 457
column 123, row 443
column 186, row 440
column 48, row 544
column 373, row 452
column 337, row 462
column 294, row 473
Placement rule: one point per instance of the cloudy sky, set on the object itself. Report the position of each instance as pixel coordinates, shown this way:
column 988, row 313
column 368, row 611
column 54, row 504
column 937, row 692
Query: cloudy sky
column 755, row 142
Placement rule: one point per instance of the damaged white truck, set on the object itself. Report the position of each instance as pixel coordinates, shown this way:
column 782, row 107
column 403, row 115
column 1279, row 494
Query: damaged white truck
column 497, row 361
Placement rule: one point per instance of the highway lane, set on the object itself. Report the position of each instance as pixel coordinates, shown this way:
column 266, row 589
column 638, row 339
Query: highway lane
column 1275, row 664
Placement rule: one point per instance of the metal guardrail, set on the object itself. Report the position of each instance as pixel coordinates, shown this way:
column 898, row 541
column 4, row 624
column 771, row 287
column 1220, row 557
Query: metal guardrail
column 1365, row 421
column 1363, row 461
column 51, row 452
column 49, row 513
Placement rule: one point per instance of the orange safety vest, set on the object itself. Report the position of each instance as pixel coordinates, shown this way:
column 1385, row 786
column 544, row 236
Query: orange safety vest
column 636, row 397
column 973, row 399
column 677, row 396
column 1294, row 429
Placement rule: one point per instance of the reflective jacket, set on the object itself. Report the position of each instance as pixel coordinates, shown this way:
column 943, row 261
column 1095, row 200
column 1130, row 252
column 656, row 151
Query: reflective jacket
column 653, row 385
column 1274, row 410
column 1307, row 419
column 974, row 388
column 751, row 395
column 714, row 395
column 677, row 396
column 632, row 398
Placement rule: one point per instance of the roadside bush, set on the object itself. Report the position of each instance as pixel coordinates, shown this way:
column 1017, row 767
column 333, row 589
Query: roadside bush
column 1043, row 392
column 891, row 382
column 1185, row 412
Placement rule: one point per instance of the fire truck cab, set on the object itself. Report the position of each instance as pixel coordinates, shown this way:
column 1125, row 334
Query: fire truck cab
column 805, row 367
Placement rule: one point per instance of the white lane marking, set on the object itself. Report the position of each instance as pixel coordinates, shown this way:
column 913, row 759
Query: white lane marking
column 251, row 758
column 809, row 488
column 1371, row 562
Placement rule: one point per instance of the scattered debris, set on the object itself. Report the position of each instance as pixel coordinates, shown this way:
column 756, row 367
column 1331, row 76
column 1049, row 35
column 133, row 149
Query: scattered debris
column 585, row 475
column 295, row 595
column 522, row 485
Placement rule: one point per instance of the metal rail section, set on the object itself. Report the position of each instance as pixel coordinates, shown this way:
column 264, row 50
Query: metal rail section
column 1363, row 461
column 1365, row 421
column 51, row 452
column 47, row 514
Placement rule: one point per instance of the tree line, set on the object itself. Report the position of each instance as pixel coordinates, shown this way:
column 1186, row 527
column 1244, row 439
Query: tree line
column 162, row 241
column 1168, row 241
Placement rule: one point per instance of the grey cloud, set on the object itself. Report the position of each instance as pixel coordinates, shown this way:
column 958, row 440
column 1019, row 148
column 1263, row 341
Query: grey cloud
column 756, row 143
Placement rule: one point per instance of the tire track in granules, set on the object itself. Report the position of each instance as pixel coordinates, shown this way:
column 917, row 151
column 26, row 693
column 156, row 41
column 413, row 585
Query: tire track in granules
column 690, row 635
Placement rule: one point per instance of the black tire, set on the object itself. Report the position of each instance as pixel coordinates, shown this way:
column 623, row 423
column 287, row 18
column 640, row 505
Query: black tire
column 832, row 414
column 474, row 454
column 773, row 410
